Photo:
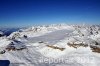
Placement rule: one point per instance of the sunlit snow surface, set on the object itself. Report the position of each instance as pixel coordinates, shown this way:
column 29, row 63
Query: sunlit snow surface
column 43, row 44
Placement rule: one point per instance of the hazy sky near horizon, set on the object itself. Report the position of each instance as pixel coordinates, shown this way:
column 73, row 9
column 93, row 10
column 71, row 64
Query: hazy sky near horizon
column 37, row 12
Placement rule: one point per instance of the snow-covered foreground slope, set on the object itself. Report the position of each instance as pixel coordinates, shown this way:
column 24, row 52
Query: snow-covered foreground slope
column 54, row 45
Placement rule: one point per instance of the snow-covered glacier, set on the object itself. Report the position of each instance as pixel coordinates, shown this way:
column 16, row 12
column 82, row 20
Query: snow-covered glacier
column 52, row 45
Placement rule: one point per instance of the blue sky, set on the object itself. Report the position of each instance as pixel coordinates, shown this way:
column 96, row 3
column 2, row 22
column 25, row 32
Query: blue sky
column 38, row 12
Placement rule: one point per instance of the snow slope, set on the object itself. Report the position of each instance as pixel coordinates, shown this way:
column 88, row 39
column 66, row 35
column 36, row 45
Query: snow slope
column 53, row 45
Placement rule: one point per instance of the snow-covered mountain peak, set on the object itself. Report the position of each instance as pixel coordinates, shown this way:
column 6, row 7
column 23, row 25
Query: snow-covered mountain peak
column 58, row 41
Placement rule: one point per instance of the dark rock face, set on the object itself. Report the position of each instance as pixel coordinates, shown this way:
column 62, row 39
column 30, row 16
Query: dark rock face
column 1, row 35
column 2, row 52
column 15, row 45
column 55, row 47
column 25, row 36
